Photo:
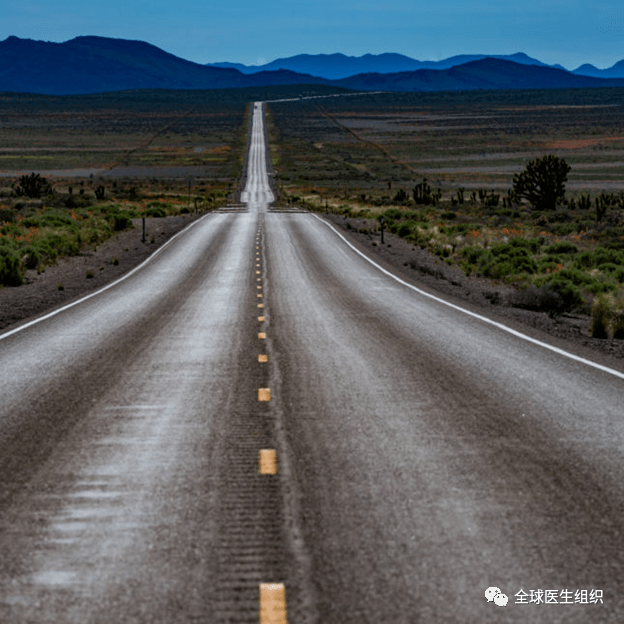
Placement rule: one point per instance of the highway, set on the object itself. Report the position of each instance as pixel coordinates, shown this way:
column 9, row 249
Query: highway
column 261, row 424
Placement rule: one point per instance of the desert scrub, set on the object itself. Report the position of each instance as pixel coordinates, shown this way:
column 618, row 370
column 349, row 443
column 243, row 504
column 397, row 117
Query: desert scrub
column 607, row 316
column 617, row 316
column 600, row 317
column 11, row 271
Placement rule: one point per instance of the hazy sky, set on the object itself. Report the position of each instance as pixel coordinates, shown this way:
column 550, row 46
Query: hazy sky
column 568, row 32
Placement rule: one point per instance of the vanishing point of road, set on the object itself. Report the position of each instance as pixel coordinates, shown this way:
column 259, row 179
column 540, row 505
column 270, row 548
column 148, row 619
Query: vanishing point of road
column 261, row 424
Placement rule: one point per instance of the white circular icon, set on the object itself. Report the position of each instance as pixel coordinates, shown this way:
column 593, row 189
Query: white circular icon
column 495, row 594
column 501, row 600
column 491, row 592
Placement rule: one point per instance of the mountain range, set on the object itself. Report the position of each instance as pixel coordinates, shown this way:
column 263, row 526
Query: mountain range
column 98, row 64
column 337, row 66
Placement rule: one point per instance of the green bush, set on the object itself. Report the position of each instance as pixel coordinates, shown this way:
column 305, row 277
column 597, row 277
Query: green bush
column 10, row 229
column 29, row 222
column 563, row 229
column 601, row 311
column 511, row 258
column 122, row 221
column 473, row 253
column 393, row 214
column 562, row 247
column 11, row 272
column 52, row 246
column 405, row 229
column 57, row 219
column 542, row 299
column 617, row 317
column 568, row 292
column 155, row 211
column 32, row 257
column 32, row 186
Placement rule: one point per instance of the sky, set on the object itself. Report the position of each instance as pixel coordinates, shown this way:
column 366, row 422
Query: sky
column 564, row 32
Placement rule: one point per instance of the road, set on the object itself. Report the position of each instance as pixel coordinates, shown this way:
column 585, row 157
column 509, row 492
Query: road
column 413, row 454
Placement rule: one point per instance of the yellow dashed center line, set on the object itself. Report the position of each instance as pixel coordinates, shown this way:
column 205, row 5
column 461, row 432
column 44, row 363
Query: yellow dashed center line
column 259, row 296
column 261, row 335
column 258, row 272
column 261, row 305
column 263, row 358
column 264, row 394
column 267, row 460
column 273, row 603
column 261, row 319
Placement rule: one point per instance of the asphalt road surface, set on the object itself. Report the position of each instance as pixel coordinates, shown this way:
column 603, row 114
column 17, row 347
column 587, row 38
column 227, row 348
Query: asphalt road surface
column 260, row 424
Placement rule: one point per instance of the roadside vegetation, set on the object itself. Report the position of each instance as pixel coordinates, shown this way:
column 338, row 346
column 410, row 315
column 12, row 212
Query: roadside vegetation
column 41, row 221
column 562, row 251
column 171, row 152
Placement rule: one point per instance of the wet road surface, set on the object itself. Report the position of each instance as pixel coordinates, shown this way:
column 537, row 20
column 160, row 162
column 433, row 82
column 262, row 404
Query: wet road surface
column 261, row 424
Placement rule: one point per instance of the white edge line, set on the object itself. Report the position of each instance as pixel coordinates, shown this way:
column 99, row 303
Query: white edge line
column 100, row 290
column 518, row 334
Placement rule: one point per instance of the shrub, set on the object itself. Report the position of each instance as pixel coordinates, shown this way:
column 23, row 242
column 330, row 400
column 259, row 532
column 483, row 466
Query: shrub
column 601, row 310
column 542, row 182
column 562, row 247
column 32, row 257
column 155, row 211
column 57, row 219
column 404, row 230
column 393, row 214
column 563, row 229
column 617, row 318
column 401, row 196
column 122, row 221
column 541, row 299
column 11, row 273
column 29, row 222
column 32, row 186
column 568, row 292
column 473, row 253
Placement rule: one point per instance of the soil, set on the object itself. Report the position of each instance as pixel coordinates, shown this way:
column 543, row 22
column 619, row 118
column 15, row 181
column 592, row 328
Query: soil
column 485, row 297
column 66, row 281
column 41, row 293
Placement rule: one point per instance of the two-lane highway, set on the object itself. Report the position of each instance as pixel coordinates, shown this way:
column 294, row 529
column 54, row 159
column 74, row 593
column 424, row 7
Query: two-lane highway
column 261, row 425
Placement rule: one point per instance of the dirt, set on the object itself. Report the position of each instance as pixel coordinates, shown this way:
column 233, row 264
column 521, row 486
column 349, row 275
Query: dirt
column 42, row 292
column 66, row 281
column 486, row 297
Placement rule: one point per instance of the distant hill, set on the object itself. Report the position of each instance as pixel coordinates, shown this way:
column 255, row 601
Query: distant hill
column 98, row 64
column 489, row 73
column 615, row 71
column 338, row 66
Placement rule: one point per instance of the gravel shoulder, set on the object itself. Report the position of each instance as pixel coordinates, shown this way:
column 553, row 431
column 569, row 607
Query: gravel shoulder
column 423, row 269
column 67, row 281
column 41, row 293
